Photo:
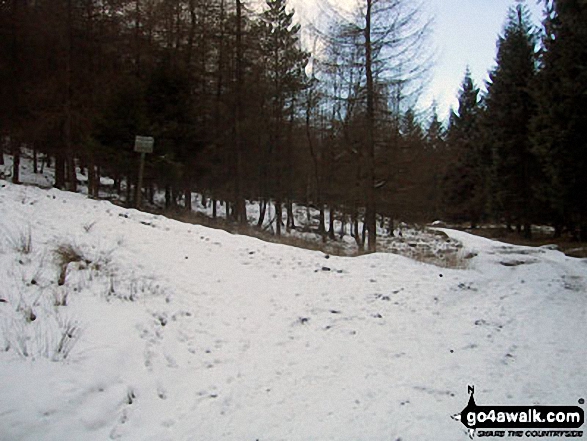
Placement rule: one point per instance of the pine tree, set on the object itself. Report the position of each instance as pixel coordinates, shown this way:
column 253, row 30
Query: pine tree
column 560, row 125
column 284, row 71
column 509, row 109
column 464, row 189
column 435, row 133
column 436, row 156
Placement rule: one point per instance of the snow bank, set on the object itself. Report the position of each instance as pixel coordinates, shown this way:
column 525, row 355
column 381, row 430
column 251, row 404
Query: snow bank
column 160, row 330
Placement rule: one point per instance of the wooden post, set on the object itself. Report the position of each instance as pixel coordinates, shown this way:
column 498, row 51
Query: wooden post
column 143, row 145
column 139, row 196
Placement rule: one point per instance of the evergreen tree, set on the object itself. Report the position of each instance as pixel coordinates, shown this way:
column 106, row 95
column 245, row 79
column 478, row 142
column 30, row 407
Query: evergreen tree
column 436, row 156
column 560, row 125
column 435, row 133
column 284, row 62
column 509, row 109
column 411, row 130
column 464, row 187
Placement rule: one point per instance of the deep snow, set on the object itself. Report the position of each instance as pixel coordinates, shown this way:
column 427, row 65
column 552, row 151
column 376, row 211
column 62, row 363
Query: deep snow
column 174, row 331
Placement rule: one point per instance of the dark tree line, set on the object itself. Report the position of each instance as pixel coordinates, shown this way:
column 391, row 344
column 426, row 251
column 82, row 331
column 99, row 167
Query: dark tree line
column 226, row 92
column 241, row 111
column 520, row 150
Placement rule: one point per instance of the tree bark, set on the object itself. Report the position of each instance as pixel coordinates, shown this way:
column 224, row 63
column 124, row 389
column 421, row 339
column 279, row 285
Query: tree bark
column 370, row 214
column 129, row 192
column 15, row 161
column 97, row 182
column 262, row 212
column 35, row 159
column 278, row 217
column 322, row 222
column 188, row 199
column 59, row 170
column 331, row 233
column 91, row 179
column 67, row 124
column 168, row 197
column 291, row 221
column 240, row 206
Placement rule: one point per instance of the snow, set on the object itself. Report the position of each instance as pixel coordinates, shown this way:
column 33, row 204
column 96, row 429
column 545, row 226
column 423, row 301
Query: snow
column 173, row 331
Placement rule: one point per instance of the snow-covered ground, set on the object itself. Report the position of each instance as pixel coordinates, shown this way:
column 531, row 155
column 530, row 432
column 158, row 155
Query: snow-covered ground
column 158, row 330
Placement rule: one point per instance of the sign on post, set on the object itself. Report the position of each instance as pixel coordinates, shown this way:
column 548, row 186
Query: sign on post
column 143, row 145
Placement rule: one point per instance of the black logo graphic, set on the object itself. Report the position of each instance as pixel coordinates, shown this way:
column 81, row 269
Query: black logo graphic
column 476, row 417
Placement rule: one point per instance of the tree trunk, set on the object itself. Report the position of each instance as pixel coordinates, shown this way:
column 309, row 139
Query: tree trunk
column 175, row 195
column 331, row 234
column 371, row 209
column 188, row 199
column 278, row 217
column 168, row 197
column 137, row 38
column 59, row 170
column 364, row 236
column 91, row 179
column 151, row 189
column 68, row 104
column 240, row 205
column 583, row 233
column 558, row 230
column 97, row 182
column 262, row 212
column 527, row 230
column 359, row 239
column 129, row 200
column 229, row 209
column 291, row 221
column 35, row 159
column 15, row 161
column 71, row 173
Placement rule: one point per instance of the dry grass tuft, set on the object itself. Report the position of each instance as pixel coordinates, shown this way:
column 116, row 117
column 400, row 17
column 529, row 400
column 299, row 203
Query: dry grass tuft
column 68, row 253
column 22, row 242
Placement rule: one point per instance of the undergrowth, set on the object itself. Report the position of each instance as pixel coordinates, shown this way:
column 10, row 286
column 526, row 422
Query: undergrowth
column 36, row 319
column 418, row 243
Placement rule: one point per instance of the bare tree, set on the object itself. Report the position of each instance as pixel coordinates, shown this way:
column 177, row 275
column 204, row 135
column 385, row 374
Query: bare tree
column 389, row 37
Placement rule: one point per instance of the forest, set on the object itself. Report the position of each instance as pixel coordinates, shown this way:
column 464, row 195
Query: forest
column 246, row 105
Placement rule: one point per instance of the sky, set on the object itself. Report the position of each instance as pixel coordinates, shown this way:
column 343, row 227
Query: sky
column 465, row 34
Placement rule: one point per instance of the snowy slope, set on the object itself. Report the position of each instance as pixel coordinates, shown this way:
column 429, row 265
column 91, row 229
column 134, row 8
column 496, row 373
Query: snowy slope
column 173, row 331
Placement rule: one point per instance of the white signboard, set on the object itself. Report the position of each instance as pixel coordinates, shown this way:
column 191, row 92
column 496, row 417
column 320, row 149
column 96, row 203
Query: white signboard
column 144, row 144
